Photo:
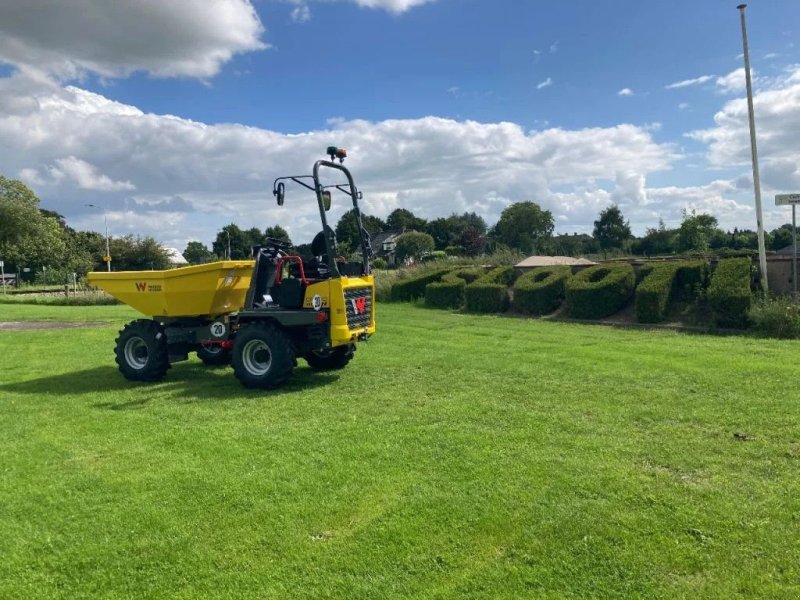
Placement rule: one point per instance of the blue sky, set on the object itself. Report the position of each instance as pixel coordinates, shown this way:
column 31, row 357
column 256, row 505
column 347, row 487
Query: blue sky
column 420, row 89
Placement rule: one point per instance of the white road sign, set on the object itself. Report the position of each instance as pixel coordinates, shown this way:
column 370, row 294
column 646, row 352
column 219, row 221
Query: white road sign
column 787, row 199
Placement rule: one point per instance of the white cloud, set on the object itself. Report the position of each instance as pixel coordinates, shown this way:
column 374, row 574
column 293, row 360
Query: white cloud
column 76, row 147
column 683, row 105
column 191, row 38
column 689, row 82
column 301, row 13
column 625, row 92
column 543, row 84
column 734, row 82
column 393, row 6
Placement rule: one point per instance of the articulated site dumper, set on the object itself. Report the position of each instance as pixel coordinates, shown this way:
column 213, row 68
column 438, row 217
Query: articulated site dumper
column 258, row 315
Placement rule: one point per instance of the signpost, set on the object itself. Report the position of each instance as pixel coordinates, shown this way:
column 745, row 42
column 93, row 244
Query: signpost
column 791, row 200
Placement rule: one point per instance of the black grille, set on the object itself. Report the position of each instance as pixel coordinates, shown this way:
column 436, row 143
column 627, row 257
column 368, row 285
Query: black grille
column 358, row 303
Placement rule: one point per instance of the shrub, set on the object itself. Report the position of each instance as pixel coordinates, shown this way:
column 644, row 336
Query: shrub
column 489, row 293
column 654, row 292
column 379, row 263
column 776, row 317
column 541, row 291
column 691, row 280
column 599, row 291
column 449, row 292
column 414, row 287
column 729, row 293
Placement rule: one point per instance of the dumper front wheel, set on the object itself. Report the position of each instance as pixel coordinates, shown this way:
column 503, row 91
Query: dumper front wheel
column 141, row 351
column 263, row 356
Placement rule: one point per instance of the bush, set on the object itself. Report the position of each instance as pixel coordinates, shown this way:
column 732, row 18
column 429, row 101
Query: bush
column 541, row 290
column 654, row 292
column 776, row 317
column 81, row 299
column 599, row 291
column 449, row 292
column 407, row 290
column 489, row 293
column 691, row 280
column 729, row 293
column 379, row 263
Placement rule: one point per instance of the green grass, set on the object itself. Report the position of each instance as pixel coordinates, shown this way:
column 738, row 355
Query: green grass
column 457, row 457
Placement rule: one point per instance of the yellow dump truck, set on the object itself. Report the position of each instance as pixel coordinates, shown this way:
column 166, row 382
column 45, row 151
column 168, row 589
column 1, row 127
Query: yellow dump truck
column 258, row 315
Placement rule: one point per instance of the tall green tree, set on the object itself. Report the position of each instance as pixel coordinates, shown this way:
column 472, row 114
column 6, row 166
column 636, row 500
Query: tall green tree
column 347, row 230
column 241, row 242
column 279, row 233
column 28, row 236
column 524, row 226
column 611, row 230
column 197, row 253
column 696, row 231
column 656, row 241
column 403, row 219
column 130, row 253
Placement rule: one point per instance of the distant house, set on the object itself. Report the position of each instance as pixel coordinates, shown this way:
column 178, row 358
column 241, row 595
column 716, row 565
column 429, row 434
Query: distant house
column 384, row 245
column 175, row 257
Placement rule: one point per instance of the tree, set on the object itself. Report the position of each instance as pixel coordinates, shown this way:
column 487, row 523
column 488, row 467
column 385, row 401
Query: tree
column 472, row 241
column 347, row 230
column 781, row 237
column 197, row 253
column 28, row 236
column 611, row 230
column 241, row 243
column 279, row 233
column 696, row 231
column 656, row 241
column 448, row 231
column 131, row 253
column 524, row 226
column 413, row 244
column 403, row 219
column 574, row 244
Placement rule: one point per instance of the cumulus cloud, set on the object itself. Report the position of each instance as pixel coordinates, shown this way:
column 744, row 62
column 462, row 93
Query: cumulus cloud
column 733, row 82
column 543, row 84
column 625, row 92
column 78, row 147
column 191, row 38
column 689, row 82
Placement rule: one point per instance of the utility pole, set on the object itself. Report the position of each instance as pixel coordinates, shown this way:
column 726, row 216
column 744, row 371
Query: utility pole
column 762, row 251
column 228, row 233
column 107, row 257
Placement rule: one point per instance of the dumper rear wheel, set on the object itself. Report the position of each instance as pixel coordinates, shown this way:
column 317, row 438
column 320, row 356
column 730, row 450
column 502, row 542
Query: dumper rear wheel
column 214, row 355
column 330, row 360
column 263, row 356
column 141, row 351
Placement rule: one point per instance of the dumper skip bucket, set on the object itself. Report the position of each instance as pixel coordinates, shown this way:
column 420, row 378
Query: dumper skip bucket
column 211, row 289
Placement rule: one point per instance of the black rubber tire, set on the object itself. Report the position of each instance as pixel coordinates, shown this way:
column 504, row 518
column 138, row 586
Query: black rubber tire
column 332, row 360
column 141, row 351
column 214, row 355
column 263, row 356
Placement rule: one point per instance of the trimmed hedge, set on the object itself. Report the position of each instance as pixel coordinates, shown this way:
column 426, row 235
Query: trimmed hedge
column 599, row 291
column 541, row 291
column 413, row 288
column 449, row 292
column 692, row 279
column 654, row 292
column 729, row 294
column 489, row 293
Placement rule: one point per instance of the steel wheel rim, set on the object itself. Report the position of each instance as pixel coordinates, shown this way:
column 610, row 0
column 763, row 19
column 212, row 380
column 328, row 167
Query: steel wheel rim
column 136, row 353
column 257, row 357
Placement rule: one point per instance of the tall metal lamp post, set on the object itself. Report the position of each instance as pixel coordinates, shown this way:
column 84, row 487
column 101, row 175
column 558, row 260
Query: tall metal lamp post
column 107, row 257
column 762, row 251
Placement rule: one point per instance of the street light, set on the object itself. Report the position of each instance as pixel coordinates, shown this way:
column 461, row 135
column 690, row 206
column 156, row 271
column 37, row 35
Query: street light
column 107, row 257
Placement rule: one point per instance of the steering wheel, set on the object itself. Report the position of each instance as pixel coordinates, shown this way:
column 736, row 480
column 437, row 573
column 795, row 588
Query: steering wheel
column 276, row 243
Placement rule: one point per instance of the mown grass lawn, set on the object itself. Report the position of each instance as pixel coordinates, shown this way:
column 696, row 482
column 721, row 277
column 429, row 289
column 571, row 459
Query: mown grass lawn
column 457, row 457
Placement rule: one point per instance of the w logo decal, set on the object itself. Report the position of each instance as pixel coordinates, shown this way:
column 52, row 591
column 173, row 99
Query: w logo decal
column 141, row 286
column 359, row 305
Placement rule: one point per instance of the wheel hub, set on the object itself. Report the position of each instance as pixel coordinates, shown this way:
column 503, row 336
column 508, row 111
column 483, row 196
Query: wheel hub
column 257, row 357
column 136, row 353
